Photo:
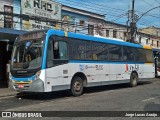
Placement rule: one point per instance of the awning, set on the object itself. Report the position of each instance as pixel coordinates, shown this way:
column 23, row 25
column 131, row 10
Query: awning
column 9, row 34
column 11, row 31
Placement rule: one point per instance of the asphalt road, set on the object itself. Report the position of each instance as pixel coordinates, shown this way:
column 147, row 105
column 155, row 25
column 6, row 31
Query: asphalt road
column 144, row 97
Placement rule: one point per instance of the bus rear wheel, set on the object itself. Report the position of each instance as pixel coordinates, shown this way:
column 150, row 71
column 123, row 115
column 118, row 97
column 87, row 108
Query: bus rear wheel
column 77, row 86
column 133, row 80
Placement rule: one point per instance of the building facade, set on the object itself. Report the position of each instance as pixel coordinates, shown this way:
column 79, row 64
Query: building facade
column 8, row 32
column 151, row 30
column 149, row 36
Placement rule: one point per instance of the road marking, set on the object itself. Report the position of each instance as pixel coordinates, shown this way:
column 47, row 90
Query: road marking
column 148, row 99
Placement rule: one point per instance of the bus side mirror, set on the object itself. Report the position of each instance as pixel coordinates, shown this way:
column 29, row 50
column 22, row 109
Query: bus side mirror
column 9, row 47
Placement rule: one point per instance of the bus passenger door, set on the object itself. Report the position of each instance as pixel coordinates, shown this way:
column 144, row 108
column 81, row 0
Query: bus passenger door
column 57, row 58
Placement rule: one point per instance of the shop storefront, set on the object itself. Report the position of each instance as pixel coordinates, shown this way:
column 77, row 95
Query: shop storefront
column 7, row 36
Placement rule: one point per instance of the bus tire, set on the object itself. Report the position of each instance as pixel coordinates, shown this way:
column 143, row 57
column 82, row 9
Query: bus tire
column 77, row 86
column 133, row 79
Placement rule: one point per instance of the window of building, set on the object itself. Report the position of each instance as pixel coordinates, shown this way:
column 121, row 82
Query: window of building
column 157, row 33
column 147, row 41
column 140, row 39
column 90, row 29
column 114, row 33
column 8, row 19
column 81, row 22
column 157, row 43
column 125, row 34
column 152, row 43
column 107, row 33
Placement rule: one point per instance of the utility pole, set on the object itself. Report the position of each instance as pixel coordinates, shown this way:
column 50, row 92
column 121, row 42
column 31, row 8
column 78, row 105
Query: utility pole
column 132, row 24
column 128, row 38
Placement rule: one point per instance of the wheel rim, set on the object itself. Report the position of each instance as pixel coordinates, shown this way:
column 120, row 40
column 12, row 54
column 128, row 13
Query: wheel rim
column 134, row 80
column 77, row 86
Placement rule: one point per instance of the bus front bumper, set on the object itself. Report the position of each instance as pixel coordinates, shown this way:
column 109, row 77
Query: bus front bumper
column 35, row 86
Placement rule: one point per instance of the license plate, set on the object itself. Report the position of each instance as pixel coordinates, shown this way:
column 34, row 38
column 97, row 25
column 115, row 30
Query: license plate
column 20, row 86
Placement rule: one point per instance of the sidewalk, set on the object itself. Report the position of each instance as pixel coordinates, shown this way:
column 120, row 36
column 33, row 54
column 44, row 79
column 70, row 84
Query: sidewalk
column 4, row 92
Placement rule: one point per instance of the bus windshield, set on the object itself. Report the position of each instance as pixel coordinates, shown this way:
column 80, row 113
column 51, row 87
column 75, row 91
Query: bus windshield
column 27, row 54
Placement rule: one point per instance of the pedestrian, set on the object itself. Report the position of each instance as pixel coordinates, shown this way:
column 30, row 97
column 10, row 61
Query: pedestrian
column 8, row 71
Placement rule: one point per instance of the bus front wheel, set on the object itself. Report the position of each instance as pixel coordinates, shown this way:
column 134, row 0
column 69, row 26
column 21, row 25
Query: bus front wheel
column 133, row 80
column 77, row 86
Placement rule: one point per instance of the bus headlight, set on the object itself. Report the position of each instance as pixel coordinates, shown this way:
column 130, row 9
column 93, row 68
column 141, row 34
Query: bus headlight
column 37, row 75
column 13, row 81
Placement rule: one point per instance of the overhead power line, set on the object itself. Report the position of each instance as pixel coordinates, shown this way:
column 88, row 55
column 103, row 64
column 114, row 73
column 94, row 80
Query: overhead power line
column 149, row 3
column 113, row 14
column 87, row 3
column 98, row 9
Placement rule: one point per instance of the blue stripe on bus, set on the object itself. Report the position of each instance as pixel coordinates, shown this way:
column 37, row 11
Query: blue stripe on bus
column 82, row 37
column 23, row 79
column 103, row 62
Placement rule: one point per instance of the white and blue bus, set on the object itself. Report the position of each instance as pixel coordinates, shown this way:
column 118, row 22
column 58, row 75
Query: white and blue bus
column 53, row 60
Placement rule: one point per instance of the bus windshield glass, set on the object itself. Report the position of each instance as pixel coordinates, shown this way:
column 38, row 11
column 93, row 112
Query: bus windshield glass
column 27, row 54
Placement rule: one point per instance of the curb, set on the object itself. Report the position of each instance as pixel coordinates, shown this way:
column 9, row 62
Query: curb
column 6, row 96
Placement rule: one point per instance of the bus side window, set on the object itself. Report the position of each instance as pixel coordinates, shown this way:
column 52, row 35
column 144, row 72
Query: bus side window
column 128, row 54
column 63, row 51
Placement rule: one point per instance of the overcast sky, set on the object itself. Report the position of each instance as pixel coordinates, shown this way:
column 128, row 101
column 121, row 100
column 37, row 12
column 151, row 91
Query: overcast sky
column 116, row 10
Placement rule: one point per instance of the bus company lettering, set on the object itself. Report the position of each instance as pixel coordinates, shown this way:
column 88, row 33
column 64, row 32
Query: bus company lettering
column 81, row 66
column 38, row 26
column 89, row 66
column 97, row 67
column 133, row 68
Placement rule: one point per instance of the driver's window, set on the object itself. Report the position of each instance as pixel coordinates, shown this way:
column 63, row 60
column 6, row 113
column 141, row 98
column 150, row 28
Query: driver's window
column 57, row 52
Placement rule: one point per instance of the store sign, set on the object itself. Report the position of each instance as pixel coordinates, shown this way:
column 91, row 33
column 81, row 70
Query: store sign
column 31, row 36
column 40, row 8
column 68, row 23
